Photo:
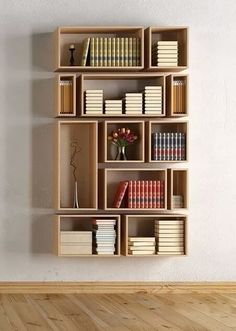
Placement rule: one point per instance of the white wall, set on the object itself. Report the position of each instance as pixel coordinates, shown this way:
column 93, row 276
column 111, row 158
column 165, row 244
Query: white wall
column 26, row 138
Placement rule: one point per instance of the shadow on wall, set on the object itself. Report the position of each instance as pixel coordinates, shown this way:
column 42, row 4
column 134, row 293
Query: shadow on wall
column 42, row 144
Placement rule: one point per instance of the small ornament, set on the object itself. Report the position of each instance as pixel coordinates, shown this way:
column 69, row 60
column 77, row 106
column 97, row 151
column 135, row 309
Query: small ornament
column 72, row 49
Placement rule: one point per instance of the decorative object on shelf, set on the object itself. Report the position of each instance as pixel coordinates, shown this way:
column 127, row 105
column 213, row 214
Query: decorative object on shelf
column 121, row 139
column 72, row 49
column 75, row 150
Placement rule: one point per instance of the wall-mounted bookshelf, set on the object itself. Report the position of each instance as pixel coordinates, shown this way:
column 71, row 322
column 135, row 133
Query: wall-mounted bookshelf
column 131, row 79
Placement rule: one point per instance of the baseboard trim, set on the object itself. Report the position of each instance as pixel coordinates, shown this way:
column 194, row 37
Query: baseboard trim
column 117, row 287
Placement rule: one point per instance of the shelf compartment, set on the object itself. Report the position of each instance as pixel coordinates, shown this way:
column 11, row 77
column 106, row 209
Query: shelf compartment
column 67, row 226
column 177, row 95
column 143, row 226
column 135, row 151
column 154, row 34
column 85, row 134
column 177, row 189
column 112, row 177
column 166, row 126
column 65, row 36
column 65, row 95
column 115, row 86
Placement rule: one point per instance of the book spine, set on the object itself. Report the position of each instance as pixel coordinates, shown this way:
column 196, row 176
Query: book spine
column 105, row 52
column 134, row 52
column 109, row 52
column 179, row 146
column 96, row 43
column 117, row 52
column 154, row 190
column 158, row 194
column 172, row 146
column 100, row 52
column 138, row 51
column 113, row 52
column 146, row 189
column 130, row 195
column 122, row 51
column 176, row 146
column 167, row 146
column 149, row 194
column 134, row 194
column 130, row 52
column 162, row 194
column 159, row 146
column 92, row 52
column 163, row 146
column 138, row 194
column 155, row 146
column 126, row 52
column 120, row 194
column 183, row 147
column 142, row 194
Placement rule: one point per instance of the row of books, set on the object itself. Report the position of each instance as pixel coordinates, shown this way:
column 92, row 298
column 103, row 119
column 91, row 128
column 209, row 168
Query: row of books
column 179, row 96
column 76, row 242
column 168, row 146
column 153, row 100
column 169, row 237
column 145, row 194
column 111, row 52
column 104, row 235
column 165, row 54
column 142, row 245
column 66, row 92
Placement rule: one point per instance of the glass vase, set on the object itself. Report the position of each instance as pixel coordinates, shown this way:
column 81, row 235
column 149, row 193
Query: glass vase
column 121, row 153
column 76, row 198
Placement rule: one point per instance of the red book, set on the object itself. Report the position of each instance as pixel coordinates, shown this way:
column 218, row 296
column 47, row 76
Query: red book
column 120, row 193
column 134, row 194
column 150, row 194
column 162, row 202
column 154, row 192
column 158, row 194
column 138, row 194
column 142, row 194
column 130, row 194
column 146, row 194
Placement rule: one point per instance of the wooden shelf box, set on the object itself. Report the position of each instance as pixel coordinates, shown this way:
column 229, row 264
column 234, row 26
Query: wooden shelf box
column 154, row 34
column 84, row 133
column 166, row 126
column 177, row 189
column 65, row 95
column 67, row 239
column 115, row 85
column 135, row 151
column 177, row 95
column 65, row 36
column 112, row 178
column 143, row 226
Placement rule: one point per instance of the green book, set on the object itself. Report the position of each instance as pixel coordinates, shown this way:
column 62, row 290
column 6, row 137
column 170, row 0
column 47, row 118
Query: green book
column 138, row 52
column 134, row 52
column 122, row 51
column 126, row 52
column 85, row 52
column 96, row 43
column 109, row 52
column 113, row 52
column 117, row 52
column 92, row 52
column 130, row 57
column 105, row 52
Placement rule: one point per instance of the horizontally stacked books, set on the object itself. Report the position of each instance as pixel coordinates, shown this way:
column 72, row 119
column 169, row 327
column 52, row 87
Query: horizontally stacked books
column 178, row 201
column 66, row 91
column 170, row 237
column 153, row 100
column 104, row 234
column 145, row 194
column 111, row 52
column 94, row 102
column 179, row 96
column 165, row 54
column 133, row 103
column 142, row 246
column 168, row 146
column 113, row 107
column 76, row 242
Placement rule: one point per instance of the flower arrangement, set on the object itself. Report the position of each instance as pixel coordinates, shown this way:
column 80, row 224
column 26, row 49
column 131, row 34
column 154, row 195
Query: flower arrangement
column 122, row 137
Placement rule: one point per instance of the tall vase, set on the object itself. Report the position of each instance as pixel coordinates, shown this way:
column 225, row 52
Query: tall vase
column 76, row 199
column 121, row 153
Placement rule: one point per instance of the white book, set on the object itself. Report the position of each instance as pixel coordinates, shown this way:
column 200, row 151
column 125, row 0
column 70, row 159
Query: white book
column 164, row 60
column 142, row 248
column 167, row 47
column 137, row 239
column 94, row 91
column 169, row 64
column 169, row 51
column 142, row 252
column 153, row 88
column 170, row 55
column 141, row 243
column 133, row 94
column 167, row 42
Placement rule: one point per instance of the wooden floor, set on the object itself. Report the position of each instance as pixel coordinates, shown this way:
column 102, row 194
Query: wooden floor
column 118, row 312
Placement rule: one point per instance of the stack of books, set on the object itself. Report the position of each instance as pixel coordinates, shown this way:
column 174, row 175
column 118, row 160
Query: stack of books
column 142, row 246
column 94, row 102
column 66, row 89
column 178, row 201
column 169, row 237
column 153, row 100
column 168, row 146
column 111, row 52
column 133, row 103
column 113, row 107
column 76, row 242
column 179, row 96
column 140, row 194
column 104, row 236
column 165, row 54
